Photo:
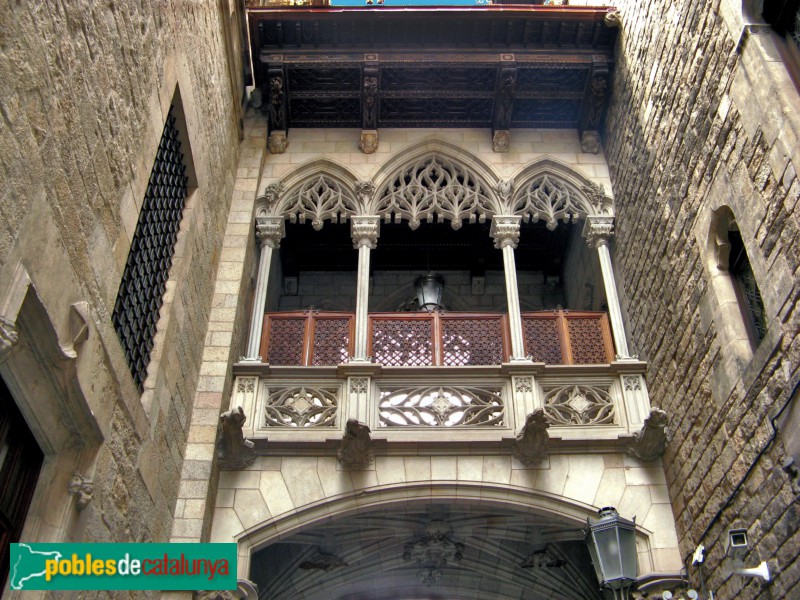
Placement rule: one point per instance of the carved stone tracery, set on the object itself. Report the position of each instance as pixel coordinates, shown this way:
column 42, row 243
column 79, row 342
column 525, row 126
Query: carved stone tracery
column 319, row 198
column 435, row 187
column 441, row 406
column 551, row 199
column 301, row 407
column 579, row 405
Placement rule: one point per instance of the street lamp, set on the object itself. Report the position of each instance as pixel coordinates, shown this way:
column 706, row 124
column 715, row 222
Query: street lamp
column 429, row 291
column 612, row 544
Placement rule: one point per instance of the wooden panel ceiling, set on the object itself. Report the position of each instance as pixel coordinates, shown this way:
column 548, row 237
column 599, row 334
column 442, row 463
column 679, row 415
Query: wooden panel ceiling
column 481, row 67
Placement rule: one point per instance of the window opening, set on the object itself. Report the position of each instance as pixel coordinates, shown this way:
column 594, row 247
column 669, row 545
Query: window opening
column 141, row 291
column 20, row 462
column 746, row 287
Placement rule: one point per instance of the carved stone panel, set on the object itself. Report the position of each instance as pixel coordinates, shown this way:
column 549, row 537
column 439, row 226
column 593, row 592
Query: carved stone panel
column 579, row 405
column 441, row 406
column 301, row 406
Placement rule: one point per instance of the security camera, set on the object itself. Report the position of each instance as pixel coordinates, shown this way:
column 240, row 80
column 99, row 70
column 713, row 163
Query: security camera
column 737, row 544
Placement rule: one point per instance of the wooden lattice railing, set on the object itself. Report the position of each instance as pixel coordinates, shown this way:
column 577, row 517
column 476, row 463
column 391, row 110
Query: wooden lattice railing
column 435, row 339
column 564, row 337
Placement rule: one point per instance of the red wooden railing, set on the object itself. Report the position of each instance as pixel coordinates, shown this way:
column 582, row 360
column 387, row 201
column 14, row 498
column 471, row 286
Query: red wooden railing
column 435, row 339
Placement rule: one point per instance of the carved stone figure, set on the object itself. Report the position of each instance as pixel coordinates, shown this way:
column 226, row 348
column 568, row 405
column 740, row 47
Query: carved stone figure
column 356, row 449
column 613, row 18
column 8, row 337
column 649, row 442
column 234, row 451
column 532, row 441
column 370, row 101
column 82, row 489
column 277, row 113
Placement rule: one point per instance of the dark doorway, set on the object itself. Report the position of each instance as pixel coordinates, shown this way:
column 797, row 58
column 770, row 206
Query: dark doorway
column 20, row 462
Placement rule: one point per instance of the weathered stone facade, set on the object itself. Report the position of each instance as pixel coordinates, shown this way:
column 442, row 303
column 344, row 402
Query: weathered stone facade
column 86, row 90
column 701, row 119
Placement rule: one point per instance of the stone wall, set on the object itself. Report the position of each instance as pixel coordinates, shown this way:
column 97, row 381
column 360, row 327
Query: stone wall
column 695, row 124
column 86, row 89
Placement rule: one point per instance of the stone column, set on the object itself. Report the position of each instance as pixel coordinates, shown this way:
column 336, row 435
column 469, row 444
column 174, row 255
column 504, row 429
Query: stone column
column 597, row 230
column 365, row 232
column 505, row 232
column 269, row 232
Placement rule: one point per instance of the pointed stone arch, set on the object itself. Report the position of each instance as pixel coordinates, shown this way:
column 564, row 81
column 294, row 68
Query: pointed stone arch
column 567, row 514
column 435, row 180
column 552, row 191
column 319, row 191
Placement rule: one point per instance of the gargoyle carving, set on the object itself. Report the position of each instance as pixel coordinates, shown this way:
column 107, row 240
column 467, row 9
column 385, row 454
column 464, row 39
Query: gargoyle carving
column 233, row 450
column 532, row 441
column 356, row 449
column 648, row 443
column 82, row 488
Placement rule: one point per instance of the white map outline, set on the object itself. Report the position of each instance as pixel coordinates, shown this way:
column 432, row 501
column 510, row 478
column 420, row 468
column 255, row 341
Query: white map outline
column 12, row 580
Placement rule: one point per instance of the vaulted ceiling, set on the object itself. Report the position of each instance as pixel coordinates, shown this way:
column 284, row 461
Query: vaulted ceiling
column 393, row 555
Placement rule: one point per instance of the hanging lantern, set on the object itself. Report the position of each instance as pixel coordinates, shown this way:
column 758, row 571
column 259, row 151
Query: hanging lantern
column 612, row 544
column 429, row 291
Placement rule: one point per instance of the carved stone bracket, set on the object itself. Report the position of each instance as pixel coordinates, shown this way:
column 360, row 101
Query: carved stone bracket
column 270, row 231
column 233, row 450
column 532, row 442
column 597, row 230
column 613, row 18
column 277, row 142
column 501, row 140
column 356, row 450
column 82, row 488
column 649, row 442
column 365, row 231
column 590, row 142
column 368, row 142
column 8, row 337
column 505, row 230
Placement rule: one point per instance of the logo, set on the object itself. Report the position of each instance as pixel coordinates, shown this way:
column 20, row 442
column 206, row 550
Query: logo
column 123, row 567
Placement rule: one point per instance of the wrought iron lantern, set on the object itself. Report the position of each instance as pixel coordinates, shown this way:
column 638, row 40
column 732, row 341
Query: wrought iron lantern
column 612, row 544
column 429, row 291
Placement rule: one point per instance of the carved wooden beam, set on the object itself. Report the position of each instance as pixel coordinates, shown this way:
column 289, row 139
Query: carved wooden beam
column 278, row 108
column 595, row 104
column 369, row 107
column 503, row 108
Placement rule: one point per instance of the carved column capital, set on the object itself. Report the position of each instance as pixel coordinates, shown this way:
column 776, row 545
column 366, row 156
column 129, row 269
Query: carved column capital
column 270, row 231
column 597, row 230
column 365, row 231
column 505, row 230
column 8, row 337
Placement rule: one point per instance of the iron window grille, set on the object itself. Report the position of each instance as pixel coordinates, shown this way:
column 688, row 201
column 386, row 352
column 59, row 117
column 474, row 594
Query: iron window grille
column 141, row 292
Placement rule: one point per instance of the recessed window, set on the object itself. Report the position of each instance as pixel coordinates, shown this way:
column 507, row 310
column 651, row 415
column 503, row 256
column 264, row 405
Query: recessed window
column 752, row 307
column 141, row 291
